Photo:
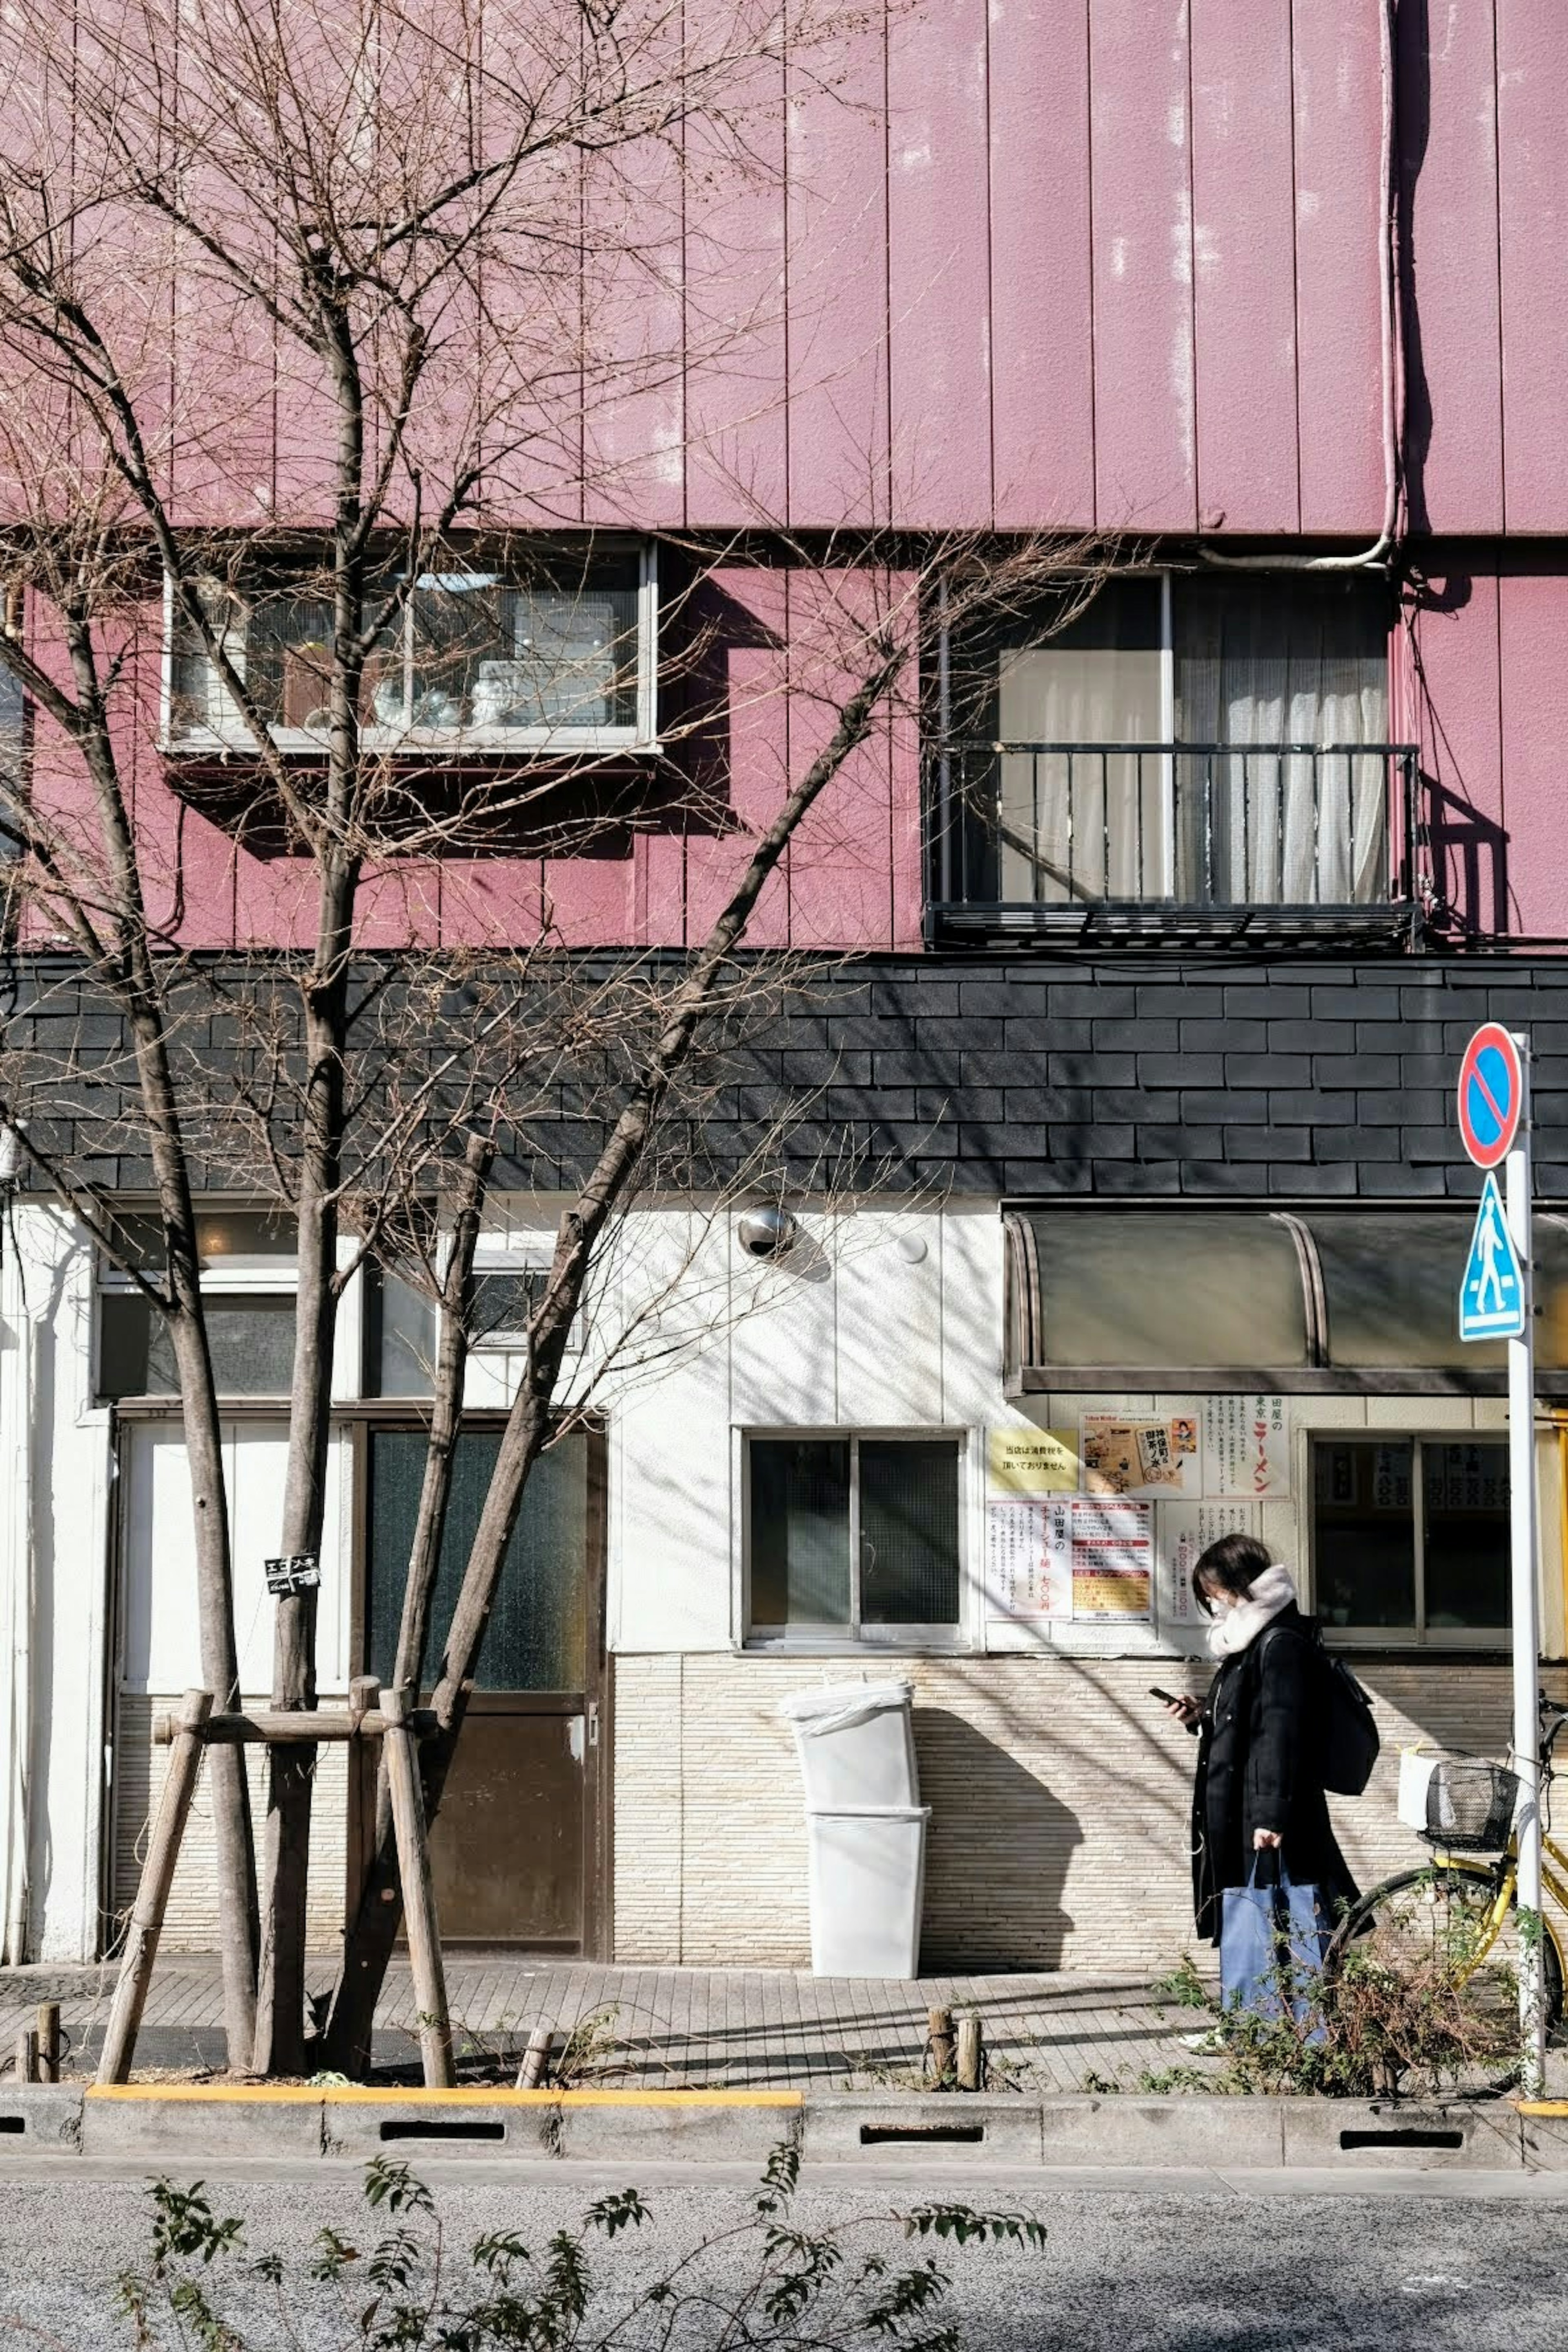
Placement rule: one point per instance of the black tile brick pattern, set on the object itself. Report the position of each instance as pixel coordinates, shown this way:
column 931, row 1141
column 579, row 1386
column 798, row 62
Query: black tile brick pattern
column 1207, row 1076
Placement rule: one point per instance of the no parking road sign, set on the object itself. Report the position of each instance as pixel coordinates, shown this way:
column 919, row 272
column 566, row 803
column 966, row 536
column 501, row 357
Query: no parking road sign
column 1491, row 1095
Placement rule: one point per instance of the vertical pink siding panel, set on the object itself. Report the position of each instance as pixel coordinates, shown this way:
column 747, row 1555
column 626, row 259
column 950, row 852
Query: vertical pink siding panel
column 908, row 843
column 838, row 301
column 1458, row 722
column 747, row 775
column 491, row 901
column 659, row 889
column 840, row 871
column 736, row 470
column 1145, row 427
column 1243, row 293
column 1340, row 210
column 634, row 422
column 588, row 900
column 399, row 906
column 1453, row 451
column 939, row 323
column 1532, row 138
column 276, row 901
column 1042, row 311
column 221, row 410
column 1533, row 630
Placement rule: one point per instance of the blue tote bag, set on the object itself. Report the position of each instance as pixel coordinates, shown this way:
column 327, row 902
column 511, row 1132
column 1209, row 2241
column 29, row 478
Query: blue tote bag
column 1271, row 1942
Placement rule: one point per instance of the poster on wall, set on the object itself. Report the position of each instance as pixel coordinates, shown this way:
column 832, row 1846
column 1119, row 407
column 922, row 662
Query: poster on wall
column 1185, row 1533
column 1146, row 1457
column 1027, row 1579
column 1247, row 1448
column 1033, row 1462
column 1071, row 1557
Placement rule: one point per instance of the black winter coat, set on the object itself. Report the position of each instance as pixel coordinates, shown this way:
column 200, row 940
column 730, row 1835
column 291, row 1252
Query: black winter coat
column 1259, row 1749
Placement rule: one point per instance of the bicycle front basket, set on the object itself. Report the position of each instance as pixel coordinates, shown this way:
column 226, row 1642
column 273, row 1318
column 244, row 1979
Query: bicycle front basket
column 1470, row 1803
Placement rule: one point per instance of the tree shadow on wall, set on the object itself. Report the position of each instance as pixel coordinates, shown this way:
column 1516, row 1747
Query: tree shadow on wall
column 998, row 1852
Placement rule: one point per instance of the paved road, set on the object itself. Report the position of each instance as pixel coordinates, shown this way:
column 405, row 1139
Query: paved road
column 1187, row 2263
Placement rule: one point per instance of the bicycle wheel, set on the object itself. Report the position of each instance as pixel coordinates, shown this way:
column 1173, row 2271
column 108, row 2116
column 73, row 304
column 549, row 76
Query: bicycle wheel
column 1415, row 1968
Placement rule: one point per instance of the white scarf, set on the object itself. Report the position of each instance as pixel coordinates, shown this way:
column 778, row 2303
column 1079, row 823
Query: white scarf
column 1273, row 1590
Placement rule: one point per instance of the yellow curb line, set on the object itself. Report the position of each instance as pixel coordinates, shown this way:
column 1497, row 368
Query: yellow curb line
column 359, row 2095
column 1542, row 2106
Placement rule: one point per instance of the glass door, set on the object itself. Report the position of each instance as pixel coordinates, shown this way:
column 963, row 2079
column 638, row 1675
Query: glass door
column 515, row 1847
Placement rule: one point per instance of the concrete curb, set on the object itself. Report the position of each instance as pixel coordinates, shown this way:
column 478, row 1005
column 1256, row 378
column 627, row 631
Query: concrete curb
column 172, row 2125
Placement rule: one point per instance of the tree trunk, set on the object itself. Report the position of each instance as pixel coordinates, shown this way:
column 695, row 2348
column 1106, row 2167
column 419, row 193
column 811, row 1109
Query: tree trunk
column 372, row 1932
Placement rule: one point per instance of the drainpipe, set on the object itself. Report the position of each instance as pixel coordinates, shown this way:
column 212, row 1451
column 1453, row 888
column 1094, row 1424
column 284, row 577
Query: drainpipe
column 19, row 1546
column 1393, row 360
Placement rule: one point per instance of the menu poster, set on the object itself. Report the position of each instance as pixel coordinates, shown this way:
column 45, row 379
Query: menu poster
column 1033, row 1462
column 1142, row 1457
column 1112, row 1561
column 1072, row 1557
column 1186, row 1531
column 1027, row 1571
column 1246, row 1447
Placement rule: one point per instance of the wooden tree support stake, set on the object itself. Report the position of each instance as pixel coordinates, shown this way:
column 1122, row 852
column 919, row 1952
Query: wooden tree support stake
column 536, row 2059
column 49, row 2041
column 971, row 2054
column 418, row 1895
column 27, row 2056
column 939, row 2045
column 152, row 1893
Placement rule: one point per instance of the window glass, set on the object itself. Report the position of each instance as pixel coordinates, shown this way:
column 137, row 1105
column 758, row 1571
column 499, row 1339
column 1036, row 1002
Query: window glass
column 1135, row 1288
column 251, row 1340
column 1466, row 1529
column 800, row 1531
column 552, row 645
column 400, row 1333
column 235, row 1238
column 1363, row 1549
column 537, row 1636
column 909, row 1532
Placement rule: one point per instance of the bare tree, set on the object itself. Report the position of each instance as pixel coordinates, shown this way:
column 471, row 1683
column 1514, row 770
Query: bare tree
column 386, row 233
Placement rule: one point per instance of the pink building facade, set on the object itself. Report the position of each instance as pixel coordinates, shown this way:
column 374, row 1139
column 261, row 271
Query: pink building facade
column 1147, row 951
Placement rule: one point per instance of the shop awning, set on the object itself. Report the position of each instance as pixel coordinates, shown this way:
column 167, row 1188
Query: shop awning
column 1356, row 1298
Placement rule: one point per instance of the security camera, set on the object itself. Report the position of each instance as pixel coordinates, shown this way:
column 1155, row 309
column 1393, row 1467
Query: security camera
column 767, row 1232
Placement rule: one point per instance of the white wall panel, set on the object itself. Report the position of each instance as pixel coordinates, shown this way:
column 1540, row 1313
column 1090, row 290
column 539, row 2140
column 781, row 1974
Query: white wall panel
column 889, row 1319
column 784, row 1336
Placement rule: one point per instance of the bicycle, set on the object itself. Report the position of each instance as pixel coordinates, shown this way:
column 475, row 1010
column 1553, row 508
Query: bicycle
column 1452, row 1925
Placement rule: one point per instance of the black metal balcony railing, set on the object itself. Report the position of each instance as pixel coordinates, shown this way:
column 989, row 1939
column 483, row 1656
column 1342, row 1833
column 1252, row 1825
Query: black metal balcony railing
column 1041, row 840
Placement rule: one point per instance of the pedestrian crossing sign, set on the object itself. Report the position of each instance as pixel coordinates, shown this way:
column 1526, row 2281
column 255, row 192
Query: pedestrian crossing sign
column 1492, row 1293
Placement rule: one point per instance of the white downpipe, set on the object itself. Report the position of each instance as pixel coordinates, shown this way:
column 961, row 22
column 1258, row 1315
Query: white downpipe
column 1392, row 360
column 19, row 1567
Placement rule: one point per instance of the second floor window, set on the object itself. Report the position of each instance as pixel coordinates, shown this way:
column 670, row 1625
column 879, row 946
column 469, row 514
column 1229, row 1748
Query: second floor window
column 554, row 648
column 1200, row 741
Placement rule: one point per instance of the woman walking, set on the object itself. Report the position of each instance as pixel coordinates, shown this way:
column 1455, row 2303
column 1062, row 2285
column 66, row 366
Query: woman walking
column 1261, row 1731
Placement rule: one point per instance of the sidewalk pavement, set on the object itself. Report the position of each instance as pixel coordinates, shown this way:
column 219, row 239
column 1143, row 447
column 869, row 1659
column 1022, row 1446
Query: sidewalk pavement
column 674, row 2028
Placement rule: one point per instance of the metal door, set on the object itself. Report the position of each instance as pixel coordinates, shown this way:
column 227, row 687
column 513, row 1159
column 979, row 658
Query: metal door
column 515, row 1849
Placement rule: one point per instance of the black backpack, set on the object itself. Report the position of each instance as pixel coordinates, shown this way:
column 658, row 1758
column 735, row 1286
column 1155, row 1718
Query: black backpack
column 1350, row 1740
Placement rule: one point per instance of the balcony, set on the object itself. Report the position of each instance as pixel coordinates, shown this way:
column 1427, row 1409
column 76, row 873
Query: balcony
column 1090, row 842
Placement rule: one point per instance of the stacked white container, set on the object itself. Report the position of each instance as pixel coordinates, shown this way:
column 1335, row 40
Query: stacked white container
column 865, row 1827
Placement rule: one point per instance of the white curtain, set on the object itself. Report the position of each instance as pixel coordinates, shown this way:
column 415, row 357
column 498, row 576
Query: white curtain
column 1260, row 665
column 1086, row 824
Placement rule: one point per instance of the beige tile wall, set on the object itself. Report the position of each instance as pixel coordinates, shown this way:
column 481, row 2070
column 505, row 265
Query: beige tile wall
column 1058, row 1791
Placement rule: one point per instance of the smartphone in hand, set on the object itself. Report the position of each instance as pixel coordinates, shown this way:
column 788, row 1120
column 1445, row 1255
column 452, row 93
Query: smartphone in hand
column 1166, row 1698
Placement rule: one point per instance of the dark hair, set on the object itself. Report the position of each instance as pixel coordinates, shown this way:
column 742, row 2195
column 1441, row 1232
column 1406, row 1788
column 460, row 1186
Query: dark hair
column 1234, row 1563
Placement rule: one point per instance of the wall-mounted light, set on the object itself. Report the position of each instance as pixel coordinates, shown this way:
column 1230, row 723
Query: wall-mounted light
column 769, row 1232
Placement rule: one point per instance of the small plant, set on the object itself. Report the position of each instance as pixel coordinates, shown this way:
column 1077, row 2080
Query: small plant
column 589, row 2049
column 767, row 2281
column 1184, row 1988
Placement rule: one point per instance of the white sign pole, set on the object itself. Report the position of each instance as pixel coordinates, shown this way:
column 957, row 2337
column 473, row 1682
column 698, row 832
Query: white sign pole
column 1526, row 1625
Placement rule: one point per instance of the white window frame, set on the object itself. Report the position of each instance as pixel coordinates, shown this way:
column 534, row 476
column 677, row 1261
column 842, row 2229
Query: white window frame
column 458, row 742
column 1418, row 1635
column 827, row 1640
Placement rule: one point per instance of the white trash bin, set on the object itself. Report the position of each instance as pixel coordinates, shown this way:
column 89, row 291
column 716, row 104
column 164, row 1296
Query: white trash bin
column 867, row 1878
column 856, row 1743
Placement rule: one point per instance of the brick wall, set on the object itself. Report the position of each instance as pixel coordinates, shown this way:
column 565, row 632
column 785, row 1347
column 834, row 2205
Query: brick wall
column 1060, row 1798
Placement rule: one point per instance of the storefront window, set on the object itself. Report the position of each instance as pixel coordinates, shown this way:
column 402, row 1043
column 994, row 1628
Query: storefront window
column 1410, row 1535
column 1137, row 1286
column 850, row 1533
